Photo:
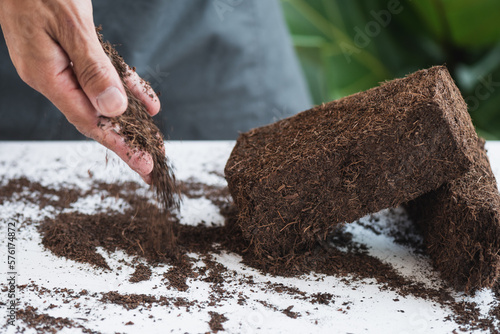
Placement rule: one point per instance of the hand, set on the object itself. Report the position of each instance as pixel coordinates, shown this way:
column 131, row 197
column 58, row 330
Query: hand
column 54, row 47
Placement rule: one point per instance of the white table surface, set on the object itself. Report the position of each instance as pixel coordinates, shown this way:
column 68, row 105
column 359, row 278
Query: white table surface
column 57, row 163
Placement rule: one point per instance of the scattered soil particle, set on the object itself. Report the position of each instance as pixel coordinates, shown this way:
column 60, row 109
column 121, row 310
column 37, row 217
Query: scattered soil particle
column 194, row 189
column 216, row 271
column 43, row 323
column 76, row 236
column 70, row 235
column 268, row 305
column 141, row 273
column 321, row 298
column 289, row 313
column 27, row 190
column 283, row 289
column 178, row 274
column 132, row 301
column 216, row 321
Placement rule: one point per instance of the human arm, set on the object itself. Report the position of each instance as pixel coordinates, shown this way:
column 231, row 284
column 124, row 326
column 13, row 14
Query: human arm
column 55, row 49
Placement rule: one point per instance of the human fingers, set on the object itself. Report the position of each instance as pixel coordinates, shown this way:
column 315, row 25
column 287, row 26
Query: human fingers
column 143, row 91
column 74, row 31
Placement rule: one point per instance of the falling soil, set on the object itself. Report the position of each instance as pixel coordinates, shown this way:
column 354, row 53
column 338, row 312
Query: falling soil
column 139, row 131
column 294, row 180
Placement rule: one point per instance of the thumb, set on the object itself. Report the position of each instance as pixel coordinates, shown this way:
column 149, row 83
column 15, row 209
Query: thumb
column 97, row 76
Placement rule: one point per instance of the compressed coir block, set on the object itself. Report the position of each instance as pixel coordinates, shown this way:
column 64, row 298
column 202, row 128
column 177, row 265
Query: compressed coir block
column 296, row 179
column 460, row 222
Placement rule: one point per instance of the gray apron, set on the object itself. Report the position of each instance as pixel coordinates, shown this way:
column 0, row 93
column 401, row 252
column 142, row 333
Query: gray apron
column 222, row 67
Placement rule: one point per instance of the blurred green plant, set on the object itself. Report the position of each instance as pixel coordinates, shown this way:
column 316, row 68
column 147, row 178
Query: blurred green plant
column 346, row 46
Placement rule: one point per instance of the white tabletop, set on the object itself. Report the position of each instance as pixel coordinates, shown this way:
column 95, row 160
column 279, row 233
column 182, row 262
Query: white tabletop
column 371, row 310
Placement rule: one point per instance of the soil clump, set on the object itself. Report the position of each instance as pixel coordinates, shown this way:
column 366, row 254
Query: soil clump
column 216, row 321
column 141, row 273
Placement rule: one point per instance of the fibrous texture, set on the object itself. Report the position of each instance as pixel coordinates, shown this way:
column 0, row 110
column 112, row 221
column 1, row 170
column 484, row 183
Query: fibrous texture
column 140, row 132
column 295, row 180
column 460, row 222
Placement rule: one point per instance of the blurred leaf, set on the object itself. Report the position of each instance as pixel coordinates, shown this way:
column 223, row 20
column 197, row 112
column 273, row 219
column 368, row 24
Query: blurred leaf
column 472, row 23
column 308, row 41
column 349, row 46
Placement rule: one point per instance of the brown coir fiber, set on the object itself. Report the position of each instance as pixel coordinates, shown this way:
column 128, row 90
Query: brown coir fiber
column 77, row 236
column 138, row 129
column 136, row 126
column 44, row 323
column 296, row 179
column 461, row 225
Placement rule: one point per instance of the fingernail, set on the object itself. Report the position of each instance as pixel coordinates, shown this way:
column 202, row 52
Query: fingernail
column 111, row 102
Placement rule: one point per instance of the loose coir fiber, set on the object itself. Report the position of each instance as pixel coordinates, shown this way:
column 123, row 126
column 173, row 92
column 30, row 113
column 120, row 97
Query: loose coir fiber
column 140, row 132
column 295, row 180
column 461, row 225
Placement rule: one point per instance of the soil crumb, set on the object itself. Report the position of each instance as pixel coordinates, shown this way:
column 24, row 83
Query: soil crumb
column 141, row 273
column 77, row 236
column 216, row 321
column 23, row 189
column 43, row 323
column 133, row 301
column 177, row 276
